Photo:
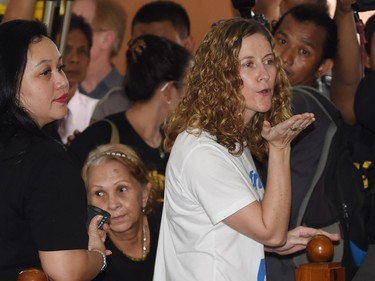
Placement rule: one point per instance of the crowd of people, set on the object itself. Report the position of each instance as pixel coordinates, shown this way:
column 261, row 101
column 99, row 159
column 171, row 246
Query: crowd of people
column 210, row 159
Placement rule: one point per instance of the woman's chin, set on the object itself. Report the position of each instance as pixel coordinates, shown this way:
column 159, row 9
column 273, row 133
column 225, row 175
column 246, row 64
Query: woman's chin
column 60, row 114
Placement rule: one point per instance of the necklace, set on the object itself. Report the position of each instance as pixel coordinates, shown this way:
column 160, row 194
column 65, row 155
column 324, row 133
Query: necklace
column 161, row 147
column 144, row 247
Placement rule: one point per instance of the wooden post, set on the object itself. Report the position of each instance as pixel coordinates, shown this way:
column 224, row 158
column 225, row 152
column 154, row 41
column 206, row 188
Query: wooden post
column 320, row 252
column 320, row 272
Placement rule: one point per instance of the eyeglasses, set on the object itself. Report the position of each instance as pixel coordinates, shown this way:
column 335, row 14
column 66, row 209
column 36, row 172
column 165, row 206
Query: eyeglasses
column 179, row 84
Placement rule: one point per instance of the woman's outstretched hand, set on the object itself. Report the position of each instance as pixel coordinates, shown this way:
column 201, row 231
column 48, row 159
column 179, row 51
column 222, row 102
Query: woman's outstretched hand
column 298, row 238
column 281, row 135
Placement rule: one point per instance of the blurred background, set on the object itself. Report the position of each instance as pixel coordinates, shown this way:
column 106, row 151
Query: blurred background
column 202, row 14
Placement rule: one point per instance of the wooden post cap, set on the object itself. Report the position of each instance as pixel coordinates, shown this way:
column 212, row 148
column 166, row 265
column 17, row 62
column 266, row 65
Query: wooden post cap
column 319, row 249
column 32, row 274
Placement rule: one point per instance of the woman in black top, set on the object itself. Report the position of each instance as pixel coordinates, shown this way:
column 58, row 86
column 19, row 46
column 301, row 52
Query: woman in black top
column 43, row 200
column 118, row 182
column 155, row 78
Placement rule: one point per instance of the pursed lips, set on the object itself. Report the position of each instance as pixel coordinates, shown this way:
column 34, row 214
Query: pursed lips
column 265, row 91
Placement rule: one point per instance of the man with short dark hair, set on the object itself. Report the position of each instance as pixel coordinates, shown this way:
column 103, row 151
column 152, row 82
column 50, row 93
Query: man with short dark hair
column 166, row 19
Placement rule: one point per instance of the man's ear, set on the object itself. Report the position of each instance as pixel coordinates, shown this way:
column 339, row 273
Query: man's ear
column 109, row 38
column 324, row 68
column 189, row 43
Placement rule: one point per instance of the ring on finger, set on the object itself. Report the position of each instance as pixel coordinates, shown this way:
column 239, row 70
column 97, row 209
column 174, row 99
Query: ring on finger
column 294, row 129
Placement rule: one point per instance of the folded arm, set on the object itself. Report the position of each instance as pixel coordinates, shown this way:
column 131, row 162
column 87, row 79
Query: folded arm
column 298, row 238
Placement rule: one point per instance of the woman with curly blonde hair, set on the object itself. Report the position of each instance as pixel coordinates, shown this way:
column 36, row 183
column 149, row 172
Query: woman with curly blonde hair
column 118, row 181
column 213, row 103
column 217, row 217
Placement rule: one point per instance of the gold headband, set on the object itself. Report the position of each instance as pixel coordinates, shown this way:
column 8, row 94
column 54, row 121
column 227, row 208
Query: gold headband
column 119, row 154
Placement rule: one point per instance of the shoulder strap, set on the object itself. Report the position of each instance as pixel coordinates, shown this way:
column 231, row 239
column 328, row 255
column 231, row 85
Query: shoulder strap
column 325, row 151
column 115, row 135
column 322, row 101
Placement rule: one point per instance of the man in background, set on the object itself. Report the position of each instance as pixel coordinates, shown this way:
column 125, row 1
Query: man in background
column 107, row 20
column 76, row 60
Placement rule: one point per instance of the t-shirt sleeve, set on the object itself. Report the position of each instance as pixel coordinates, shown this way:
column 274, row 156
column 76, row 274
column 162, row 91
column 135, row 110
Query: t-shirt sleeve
column 56, row 205
column 216, row 182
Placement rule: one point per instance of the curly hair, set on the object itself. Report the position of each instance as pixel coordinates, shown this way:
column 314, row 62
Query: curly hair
column 129, row 158
column 213, row 101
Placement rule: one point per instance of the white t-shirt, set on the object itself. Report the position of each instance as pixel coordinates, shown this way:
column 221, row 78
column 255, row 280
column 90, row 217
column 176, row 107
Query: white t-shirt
column 204, row 185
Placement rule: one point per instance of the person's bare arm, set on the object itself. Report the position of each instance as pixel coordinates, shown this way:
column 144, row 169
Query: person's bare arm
column 72, row 265
column 267, row 221
column 347, row 71
column 77, row 265
column 19, row 9
column 298, row 239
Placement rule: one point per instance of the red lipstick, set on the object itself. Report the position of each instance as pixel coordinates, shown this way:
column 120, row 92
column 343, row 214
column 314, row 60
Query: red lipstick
column 62, row 99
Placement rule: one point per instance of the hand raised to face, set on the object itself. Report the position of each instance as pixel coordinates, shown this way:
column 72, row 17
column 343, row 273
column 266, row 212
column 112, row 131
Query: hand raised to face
column 281, row 135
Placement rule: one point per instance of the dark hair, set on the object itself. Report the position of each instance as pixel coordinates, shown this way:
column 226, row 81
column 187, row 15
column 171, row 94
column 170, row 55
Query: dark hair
column 318, row 15
column 152, row 60
column 323, row 3
column 78, row 22
column 16, row 36
column 164, row 11
column 369, row 32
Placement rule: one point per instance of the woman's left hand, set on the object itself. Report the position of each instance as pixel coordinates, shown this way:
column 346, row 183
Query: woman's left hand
column 281, row 135
column 298, row 238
